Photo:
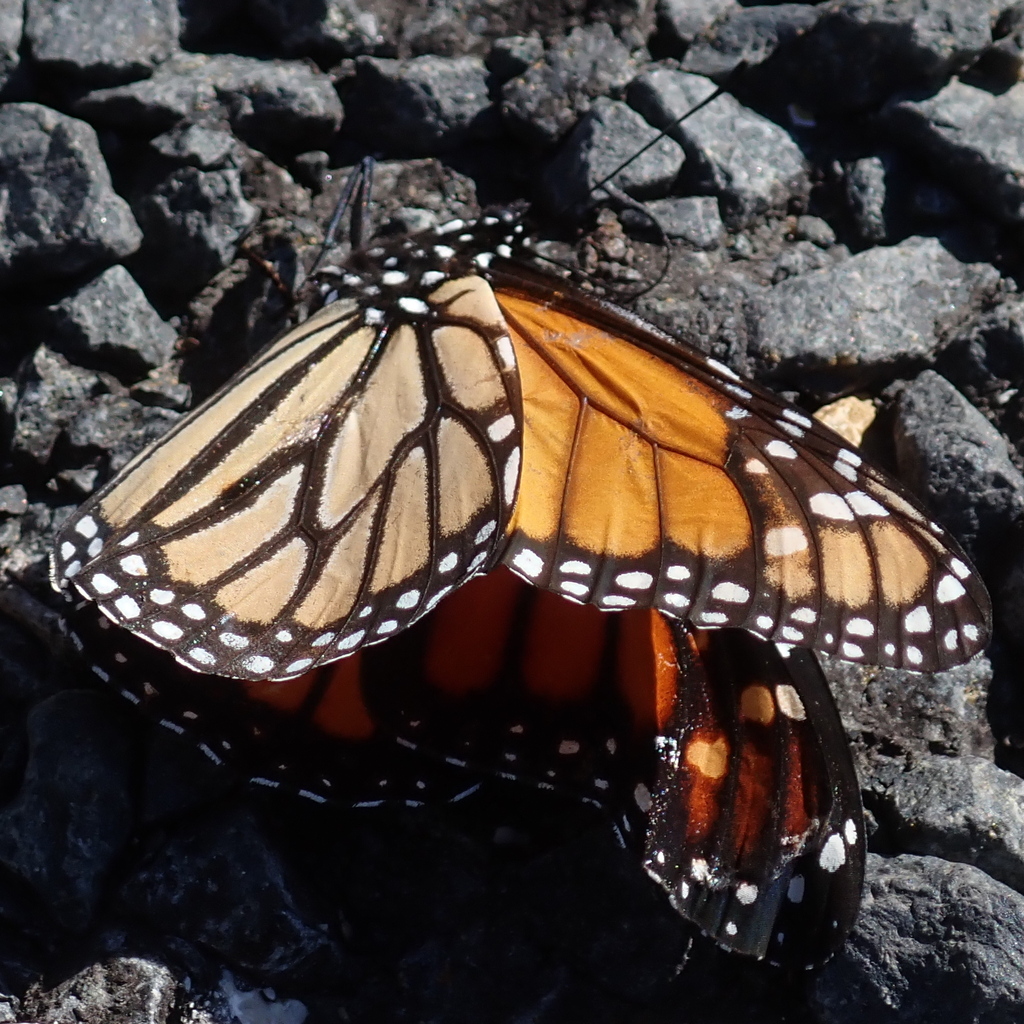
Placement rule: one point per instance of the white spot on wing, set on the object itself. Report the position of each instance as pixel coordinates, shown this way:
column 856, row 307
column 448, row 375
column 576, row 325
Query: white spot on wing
column 86, row 527
column 167, row 630
column 784, row 540
column 780, row 450
column 501, row 428
column 634, row 580
column 529, row 563
column 918, row 620
column 830, row 506
column 949, row 589
column 127, row 606
column 731, row 592
column 833, row 854
column 102, row 583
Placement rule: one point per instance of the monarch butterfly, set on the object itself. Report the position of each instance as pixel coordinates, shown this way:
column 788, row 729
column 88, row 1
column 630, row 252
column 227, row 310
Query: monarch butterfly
column 724, row 763
column 449, row 408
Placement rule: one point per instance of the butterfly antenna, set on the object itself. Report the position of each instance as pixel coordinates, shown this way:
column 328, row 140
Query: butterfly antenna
column 354, row 199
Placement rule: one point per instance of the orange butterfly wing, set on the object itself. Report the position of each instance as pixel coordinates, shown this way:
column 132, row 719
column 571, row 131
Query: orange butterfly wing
column 653, row 477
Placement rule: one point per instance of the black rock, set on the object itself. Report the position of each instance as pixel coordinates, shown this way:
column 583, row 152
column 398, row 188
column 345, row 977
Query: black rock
column 61, row 215
column 865, row 190
column 274, row 105
column 934, row 941
column 512, row 55
column 109, row 322
column 961, row 809
column 749, row 162
column 604, row 139
column 747, row 35
column 970, row 139
column 859, row 53
column 118, row 426
column 72, row 815
column 694, row 219
column 193, row 145
column 100, row 42
column 265, row 920
column 420, row 107
column 959, row 463
column 327, row 30
column 871, row 314
column 122, row 989
column 52, row 393
column 192, row 221
column 11, row 26
column 541, row 105
column 681, row 21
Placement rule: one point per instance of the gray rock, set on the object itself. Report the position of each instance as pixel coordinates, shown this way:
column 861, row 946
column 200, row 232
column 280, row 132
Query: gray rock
column 11, row 25
column 951, row 456
column 680, row 21
column 52, row 394
column 816, row 230
column 193, row 221
column 861, row 52
column 119, row 989
column 193, row 145
column 73, row 814
column 512, row 55
column 694, row 219
column 895, row 717
column 748, row 35
column 934, row 942
column 61, row 215
column 13, row 500
column 101, row 42
column 269, row 104
column 109, row 320
column 962, row 809
column 309, row 169
column 972, row 140
column 749, row 162
column 865, row 316
column 604, row 139
column 420, row 107
column 119, row 426
column 865, row 188
column 326, row 29
column 541, row 105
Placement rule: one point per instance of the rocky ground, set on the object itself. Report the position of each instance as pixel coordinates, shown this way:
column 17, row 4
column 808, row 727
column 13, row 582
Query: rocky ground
column 846, row 220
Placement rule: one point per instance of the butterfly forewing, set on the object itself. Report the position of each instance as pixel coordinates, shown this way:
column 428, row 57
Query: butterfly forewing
column 328, row 496
column 654, row 477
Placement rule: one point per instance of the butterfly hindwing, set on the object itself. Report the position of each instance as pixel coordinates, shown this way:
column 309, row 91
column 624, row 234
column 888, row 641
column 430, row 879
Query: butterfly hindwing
column 723, row 763
column 312, row 736
column 756, row 827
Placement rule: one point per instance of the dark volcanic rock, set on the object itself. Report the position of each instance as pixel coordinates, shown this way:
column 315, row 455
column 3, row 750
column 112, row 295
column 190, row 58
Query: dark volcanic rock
column 420, row 107
column 972, row 140
column 934, row 941
column 100, row 42
column 871, row 314
column 749, row 162
column 959, row 463
column 60, row 216
column 543, row 103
